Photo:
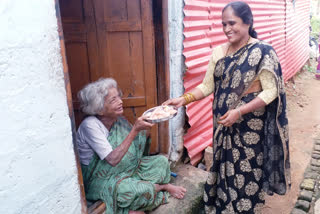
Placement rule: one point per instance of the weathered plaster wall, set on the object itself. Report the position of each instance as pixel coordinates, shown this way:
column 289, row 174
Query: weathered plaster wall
column 176, row 66
column 38, row 172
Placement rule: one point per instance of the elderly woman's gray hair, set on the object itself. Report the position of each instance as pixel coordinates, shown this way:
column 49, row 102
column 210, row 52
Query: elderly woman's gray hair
column 92, row 96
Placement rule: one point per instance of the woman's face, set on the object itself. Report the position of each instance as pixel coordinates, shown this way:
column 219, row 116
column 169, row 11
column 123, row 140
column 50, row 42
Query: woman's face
column 233, row 26
column 112, row 104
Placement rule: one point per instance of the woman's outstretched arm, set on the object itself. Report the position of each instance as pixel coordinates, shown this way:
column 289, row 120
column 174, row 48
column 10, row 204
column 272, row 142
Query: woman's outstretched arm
column 207, row 86
column 181, row 101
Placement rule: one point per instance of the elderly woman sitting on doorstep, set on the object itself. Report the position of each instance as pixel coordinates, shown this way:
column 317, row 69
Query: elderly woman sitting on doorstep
column 113, row 157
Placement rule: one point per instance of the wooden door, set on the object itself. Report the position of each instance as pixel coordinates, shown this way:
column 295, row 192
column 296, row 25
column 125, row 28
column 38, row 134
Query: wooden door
column 80, row 35
column 126, row 40
column 113, row 38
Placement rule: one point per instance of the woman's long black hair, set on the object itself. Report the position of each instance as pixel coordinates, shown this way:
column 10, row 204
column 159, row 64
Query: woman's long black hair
column 243, row 11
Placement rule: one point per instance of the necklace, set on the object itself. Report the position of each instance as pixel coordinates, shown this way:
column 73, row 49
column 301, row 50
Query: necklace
column 238, row 48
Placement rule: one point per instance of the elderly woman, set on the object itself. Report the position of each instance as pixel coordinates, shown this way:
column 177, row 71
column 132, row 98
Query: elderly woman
column 112, row 154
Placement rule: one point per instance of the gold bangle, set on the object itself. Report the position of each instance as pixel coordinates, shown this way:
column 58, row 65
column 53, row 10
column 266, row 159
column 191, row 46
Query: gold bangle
column 184, row 97
column 188, row 97
column 192, row 98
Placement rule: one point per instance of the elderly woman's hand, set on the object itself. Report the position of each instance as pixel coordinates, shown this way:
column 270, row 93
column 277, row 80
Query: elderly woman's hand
column 141, row 124
column 176, row 102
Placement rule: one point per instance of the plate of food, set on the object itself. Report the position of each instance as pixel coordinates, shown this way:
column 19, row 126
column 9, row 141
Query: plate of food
column 160, row 113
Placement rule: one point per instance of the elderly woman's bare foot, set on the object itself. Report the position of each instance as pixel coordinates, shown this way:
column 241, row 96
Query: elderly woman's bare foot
column 135, row 212
column 176, row 191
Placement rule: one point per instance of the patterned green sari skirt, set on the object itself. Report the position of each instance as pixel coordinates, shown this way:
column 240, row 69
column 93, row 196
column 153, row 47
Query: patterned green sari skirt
column 130, row 184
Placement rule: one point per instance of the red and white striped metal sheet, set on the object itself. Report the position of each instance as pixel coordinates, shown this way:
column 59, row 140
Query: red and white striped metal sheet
column 297, row 36
column 279, row 23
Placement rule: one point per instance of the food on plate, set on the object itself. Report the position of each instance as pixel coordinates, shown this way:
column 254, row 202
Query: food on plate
column 160, row 112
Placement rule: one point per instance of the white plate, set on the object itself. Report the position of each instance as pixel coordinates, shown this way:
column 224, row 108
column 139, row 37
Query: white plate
column 160, row 119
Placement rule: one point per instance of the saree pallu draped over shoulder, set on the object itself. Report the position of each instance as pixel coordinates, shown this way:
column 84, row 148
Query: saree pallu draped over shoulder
column 251, row 157
column 130, row 184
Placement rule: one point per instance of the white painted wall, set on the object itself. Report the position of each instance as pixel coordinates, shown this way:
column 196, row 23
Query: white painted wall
column 38, row 172
column 176, row 66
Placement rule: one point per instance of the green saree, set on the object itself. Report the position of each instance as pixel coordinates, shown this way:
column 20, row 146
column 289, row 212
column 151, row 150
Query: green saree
column 130, row 184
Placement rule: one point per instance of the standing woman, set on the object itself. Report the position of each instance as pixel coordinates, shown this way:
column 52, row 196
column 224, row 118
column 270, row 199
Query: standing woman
column 251, row 155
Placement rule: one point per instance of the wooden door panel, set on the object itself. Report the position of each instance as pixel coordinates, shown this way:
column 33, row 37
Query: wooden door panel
column 78, row 73
column 81, row 46
column 123, row 26
column 78, row 66
column 121, row 10
column 134, row 11
column 125, row 59
column 125, row 34
column 72, row 10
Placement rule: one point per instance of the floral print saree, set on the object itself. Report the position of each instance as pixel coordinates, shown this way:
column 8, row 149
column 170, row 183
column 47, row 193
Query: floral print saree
column 251, row 157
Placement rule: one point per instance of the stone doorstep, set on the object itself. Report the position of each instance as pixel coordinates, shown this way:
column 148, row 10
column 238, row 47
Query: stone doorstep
column 193, row 179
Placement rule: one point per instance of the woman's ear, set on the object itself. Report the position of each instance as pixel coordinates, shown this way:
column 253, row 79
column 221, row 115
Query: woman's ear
column 100, row 113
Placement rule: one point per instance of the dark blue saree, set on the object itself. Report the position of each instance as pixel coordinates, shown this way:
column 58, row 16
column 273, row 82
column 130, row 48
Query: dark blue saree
column 251, row 157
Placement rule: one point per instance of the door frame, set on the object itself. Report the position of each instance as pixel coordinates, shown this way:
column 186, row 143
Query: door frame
column 160, row 20
column 83, row 200
column 161, row 37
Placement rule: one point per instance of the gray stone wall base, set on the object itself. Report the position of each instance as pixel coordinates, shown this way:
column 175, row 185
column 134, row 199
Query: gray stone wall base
column 309, row 197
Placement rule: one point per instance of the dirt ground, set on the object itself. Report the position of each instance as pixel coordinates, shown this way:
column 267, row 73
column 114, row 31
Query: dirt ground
column 303, row 97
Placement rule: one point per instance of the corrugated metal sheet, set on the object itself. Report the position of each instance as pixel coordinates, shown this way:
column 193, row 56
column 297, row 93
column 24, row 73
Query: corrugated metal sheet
column 276, row 22
column 297, row 36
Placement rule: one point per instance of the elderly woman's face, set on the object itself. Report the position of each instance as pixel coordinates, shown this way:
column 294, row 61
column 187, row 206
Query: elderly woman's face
column 233, row 26
column 112, row 104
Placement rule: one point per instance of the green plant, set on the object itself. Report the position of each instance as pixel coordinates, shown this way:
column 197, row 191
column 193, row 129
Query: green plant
column 308, row 68
column 315, row 24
